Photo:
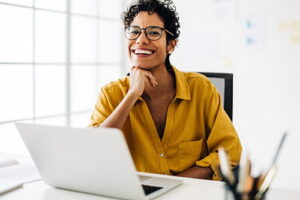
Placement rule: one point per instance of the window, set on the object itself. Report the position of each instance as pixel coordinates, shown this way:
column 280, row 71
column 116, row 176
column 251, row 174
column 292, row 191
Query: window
column 54, row 57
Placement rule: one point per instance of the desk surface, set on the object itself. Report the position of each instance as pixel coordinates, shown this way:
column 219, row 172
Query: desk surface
column 190, row 189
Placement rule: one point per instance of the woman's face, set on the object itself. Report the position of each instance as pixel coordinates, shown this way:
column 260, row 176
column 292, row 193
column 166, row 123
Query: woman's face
column 145, row 53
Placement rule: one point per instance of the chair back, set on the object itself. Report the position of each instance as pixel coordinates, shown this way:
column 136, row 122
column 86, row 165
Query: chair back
column 224, row 84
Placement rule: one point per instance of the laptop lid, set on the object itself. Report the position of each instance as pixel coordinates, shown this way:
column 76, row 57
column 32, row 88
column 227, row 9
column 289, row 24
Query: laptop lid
column 91, row 160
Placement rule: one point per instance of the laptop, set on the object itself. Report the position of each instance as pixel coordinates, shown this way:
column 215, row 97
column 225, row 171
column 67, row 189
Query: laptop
column 89, row 160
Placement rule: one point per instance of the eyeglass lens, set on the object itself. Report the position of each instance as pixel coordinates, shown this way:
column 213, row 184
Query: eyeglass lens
column 152, row 33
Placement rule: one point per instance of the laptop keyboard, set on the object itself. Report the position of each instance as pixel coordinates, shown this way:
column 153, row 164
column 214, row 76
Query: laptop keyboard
column 148, row 189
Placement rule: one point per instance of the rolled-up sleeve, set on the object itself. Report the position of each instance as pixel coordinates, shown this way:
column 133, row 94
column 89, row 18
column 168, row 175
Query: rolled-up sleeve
column 220, row 132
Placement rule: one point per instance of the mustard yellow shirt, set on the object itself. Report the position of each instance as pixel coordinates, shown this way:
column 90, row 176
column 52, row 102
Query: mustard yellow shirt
column 196, row 126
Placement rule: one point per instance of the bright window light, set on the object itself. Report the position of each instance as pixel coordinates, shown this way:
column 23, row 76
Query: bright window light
column 110, row 9
column 53, row 61
column 85, row 7
column 50, row 33
column 16, row 86
column 108, row 73
column 80, row 120
column 20, row 2
column 59, row 5
column 50, row 101
column 16, row 34
column 110, row 35
column 83, row 39
column 83, row 87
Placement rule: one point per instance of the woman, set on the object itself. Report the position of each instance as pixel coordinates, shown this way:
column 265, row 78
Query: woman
column 173, row 121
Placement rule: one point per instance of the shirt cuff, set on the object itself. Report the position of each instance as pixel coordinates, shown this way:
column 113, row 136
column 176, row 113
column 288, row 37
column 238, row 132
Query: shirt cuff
column 212, row 161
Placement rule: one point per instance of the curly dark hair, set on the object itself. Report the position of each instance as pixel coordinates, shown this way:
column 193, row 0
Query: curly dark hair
column 165, row 9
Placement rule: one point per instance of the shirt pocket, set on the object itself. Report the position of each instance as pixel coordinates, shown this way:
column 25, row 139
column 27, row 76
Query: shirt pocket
column 189, row 153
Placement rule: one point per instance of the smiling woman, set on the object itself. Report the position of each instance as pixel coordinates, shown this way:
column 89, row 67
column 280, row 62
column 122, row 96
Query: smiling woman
column 173, row 121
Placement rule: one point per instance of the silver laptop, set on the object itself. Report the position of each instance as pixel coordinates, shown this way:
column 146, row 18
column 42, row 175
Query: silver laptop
column 90, row 160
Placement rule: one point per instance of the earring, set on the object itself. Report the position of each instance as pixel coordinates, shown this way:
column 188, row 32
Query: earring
column 171, row 51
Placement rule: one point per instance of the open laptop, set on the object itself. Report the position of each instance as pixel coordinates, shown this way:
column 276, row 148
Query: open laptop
column 90, row 160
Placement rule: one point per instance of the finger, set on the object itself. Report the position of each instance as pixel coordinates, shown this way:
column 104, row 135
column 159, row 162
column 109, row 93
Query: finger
column 151, row 78
column 144, row 73
column 151, row 81
column 147, row 81
column 131, row 71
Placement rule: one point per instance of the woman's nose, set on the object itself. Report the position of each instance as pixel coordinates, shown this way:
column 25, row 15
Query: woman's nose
column 142, row 39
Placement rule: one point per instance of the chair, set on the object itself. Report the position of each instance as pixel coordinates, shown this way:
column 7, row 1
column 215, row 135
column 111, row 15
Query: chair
column 224, row 84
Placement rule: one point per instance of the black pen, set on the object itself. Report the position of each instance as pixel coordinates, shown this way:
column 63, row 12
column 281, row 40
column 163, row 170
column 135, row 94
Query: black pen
column 267, row 179
column 264, row 181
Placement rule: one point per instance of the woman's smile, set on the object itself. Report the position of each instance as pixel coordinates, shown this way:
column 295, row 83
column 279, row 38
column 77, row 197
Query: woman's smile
column 142, row 52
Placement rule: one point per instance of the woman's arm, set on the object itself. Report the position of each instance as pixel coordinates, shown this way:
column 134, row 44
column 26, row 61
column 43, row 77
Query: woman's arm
column 138, row 79
column 197, row 172
column 118, row 117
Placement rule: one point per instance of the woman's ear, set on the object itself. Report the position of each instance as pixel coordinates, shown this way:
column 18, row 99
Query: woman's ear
column 171, row 46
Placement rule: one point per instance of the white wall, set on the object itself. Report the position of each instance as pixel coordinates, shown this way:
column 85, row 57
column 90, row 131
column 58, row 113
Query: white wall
column 266, row 70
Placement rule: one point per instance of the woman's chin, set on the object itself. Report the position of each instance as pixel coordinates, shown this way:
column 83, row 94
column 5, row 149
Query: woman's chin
column 142, row 65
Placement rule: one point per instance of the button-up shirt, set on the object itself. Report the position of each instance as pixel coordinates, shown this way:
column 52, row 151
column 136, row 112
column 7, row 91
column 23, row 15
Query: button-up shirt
column 196, row 126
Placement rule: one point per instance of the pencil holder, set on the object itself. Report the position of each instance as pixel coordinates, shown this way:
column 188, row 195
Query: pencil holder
column 231, row 193
column 239, row 183
column 244, row 196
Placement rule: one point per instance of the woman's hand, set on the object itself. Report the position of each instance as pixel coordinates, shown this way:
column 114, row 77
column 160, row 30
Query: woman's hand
column 139, row 79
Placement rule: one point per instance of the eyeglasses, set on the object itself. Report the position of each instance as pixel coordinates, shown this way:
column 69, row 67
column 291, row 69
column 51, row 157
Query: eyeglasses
column 152, row 32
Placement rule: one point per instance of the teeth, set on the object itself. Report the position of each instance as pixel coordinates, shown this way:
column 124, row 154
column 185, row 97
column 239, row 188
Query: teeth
column 139, row 51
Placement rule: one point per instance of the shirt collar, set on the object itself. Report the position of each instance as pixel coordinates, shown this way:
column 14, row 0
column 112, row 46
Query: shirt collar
column 182, row 88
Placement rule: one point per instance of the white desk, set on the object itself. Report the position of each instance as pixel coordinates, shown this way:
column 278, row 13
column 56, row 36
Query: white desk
column 191, row 189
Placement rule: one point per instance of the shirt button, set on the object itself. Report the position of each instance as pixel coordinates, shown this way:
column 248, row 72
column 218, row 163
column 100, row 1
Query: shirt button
column 161, row 155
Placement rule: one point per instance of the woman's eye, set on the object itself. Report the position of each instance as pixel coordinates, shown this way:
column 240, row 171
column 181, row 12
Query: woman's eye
column 134, row 32
column 154, row 33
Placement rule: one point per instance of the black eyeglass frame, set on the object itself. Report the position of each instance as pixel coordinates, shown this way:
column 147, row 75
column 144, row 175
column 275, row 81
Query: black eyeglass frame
column 145, row 29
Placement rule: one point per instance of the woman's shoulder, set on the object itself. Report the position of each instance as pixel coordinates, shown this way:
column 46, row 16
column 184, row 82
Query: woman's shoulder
column 117, row 86
column 200, row 85
column 197, row 78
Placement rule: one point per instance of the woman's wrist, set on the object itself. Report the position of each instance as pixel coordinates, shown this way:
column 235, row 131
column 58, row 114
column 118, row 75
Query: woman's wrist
column 133, row 95
column 197, row 172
